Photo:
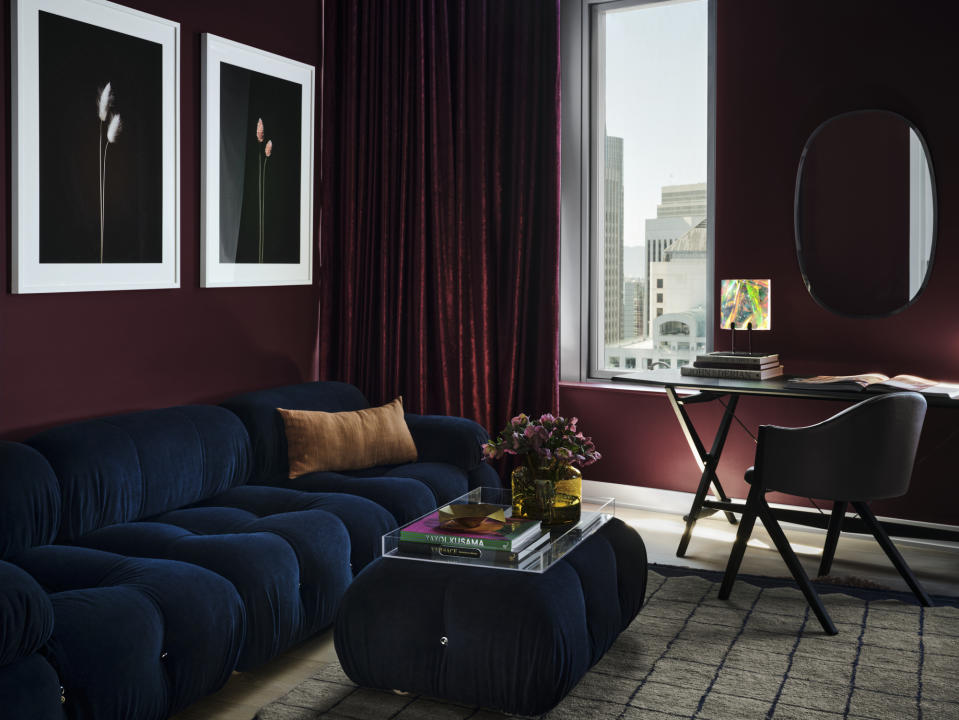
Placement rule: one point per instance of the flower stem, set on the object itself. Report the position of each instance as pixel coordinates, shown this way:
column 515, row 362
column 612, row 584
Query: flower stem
column 103, row 193
column 263, row 212
column 259, row 209
column 100, row 185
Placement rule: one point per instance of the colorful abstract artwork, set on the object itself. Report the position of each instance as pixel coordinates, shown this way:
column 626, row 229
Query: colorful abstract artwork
column 743, row 302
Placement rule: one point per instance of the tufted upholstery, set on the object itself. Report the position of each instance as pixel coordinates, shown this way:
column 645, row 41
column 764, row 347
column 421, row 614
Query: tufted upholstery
column 135, row 638
column 257, row 411
column 92, row 621
column 171, row 570
column 26, row 615
column 129, row 467
column 29, row 499
column 405, row 498
column 449, row 459
column 544, row 630
column 364, row 520
column 125, row 480
column 29, row 686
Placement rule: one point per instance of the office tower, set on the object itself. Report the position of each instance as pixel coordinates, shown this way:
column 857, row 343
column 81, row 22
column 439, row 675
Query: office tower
column 613, row 245
column 634, row 292
column 681, row 208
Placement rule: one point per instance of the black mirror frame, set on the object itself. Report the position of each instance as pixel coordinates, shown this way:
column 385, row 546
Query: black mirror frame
column 935, row 214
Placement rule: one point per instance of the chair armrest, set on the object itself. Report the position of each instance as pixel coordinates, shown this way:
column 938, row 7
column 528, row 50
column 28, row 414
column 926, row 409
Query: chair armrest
column 453, row 440
column 26, row 614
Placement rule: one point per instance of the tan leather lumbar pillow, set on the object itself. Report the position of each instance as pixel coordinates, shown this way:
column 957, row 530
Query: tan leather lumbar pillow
column 347, row 440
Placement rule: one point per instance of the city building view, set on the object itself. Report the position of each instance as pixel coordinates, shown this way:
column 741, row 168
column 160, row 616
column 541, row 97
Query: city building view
column 652, row 127
column 662, row 312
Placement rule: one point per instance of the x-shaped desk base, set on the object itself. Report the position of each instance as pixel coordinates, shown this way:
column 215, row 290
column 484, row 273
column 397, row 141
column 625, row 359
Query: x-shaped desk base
column 703, row 506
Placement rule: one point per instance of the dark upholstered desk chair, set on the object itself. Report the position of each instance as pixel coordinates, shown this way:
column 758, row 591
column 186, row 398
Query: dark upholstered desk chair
column 864, row 453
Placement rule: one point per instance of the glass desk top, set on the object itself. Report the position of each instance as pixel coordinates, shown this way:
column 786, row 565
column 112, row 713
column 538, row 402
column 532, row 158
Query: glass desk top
column 595, row 513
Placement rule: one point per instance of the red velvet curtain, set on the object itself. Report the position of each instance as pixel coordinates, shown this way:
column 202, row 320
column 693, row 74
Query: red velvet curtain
column 441, row 204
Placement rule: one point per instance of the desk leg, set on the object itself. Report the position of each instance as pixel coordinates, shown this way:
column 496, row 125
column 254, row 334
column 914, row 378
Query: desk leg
column 707, row 461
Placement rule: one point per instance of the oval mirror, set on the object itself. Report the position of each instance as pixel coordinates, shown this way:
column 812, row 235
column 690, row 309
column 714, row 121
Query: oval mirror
column 865, row 213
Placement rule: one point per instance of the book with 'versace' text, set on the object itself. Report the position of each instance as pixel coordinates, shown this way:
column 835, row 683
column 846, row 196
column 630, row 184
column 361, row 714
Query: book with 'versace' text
column 877, row 382
column 513, row 535
column 733, row 373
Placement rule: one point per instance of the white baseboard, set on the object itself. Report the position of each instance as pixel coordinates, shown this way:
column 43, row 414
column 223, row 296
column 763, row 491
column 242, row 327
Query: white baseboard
column 675, row 502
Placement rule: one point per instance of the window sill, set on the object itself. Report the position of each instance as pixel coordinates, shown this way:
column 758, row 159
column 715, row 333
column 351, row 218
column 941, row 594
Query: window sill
column 610, row 386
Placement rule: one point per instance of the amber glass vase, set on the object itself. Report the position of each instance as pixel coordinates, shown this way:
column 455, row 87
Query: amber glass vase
column 551, row 492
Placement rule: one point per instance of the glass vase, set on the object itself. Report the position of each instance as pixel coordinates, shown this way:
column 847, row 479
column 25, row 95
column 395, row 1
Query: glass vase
column 551, row 492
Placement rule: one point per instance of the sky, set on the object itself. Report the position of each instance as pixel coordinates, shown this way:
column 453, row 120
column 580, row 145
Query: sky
column 656, row 84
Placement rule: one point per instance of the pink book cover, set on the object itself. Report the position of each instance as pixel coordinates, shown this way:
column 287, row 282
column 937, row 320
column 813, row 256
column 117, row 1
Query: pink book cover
column 430, row 525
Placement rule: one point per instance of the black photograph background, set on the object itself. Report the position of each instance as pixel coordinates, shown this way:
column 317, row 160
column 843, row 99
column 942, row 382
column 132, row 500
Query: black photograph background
column 259, row 201
column 76, row 61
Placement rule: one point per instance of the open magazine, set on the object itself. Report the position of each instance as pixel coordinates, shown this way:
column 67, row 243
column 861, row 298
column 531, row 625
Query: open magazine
column 877, row 382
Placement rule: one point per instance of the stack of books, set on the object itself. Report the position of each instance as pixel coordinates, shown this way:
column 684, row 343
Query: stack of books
column 512, row 543
column 735, row 366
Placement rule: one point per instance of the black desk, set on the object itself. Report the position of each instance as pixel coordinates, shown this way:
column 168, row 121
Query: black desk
column 709, row 389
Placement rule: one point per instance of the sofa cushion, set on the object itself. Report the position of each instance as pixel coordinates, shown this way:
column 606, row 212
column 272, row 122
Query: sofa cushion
column 257, row 411
column 135, row 638
column 365, row 521
column 128, row 467
column 29, row 499
column 445, row 481
column 290, row 569
column 318, row 441
column 405, row 498
column 26, row 615
column 30, row 688
column 451, row 440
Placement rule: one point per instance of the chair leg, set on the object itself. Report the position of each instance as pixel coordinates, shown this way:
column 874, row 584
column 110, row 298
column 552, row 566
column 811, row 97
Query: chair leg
column 782, row 544
column 832, row 537
column 746, row 523
column 892, row 553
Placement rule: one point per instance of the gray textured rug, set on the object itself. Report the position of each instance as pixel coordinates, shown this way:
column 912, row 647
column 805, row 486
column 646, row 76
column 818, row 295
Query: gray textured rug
column 761, row 654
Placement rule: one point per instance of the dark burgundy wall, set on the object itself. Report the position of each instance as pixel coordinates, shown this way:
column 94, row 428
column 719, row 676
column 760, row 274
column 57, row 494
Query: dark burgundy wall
column 784, row 67
column 74, row 355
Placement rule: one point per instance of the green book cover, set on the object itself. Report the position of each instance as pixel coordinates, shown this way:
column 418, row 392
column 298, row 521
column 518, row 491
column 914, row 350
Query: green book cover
column 513, row 535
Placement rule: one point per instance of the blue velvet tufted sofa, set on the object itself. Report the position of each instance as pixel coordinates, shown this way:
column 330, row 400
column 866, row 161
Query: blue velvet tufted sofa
column 144, row 557
column 449, row 463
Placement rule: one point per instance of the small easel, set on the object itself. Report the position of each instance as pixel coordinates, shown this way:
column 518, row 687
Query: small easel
column 749, row 337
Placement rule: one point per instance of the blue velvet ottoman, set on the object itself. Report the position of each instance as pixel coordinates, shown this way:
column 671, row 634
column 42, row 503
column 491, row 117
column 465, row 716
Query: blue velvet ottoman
column 511, row 641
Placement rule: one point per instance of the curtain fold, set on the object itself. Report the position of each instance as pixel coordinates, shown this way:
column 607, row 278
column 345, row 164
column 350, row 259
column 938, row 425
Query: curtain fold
column 441, row 204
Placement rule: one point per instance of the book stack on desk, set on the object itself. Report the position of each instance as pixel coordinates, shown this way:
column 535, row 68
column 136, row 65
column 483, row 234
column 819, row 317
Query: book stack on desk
column 735, row 366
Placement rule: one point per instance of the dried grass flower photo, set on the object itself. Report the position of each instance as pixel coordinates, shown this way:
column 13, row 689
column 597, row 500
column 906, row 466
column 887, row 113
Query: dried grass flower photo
column 257, row 167
column 95, row 214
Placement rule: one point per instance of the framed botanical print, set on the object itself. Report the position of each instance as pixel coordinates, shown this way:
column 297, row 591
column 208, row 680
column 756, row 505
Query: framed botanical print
column 257, row 167
column 95, row 147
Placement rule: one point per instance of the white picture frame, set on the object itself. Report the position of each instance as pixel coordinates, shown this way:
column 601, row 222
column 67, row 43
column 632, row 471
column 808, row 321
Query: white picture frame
column 285, row 255
column 149, row 256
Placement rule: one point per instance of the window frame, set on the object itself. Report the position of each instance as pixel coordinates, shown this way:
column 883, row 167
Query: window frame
column 581, row 282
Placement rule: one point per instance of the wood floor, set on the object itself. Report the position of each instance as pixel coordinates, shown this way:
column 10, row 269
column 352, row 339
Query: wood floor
column 857, row 557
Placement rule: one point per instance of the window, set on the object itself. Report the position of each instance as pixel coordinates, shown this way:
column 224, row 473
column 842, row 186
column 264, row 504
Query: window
column 630, row 363
column 674, row 327
column 636, row 201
